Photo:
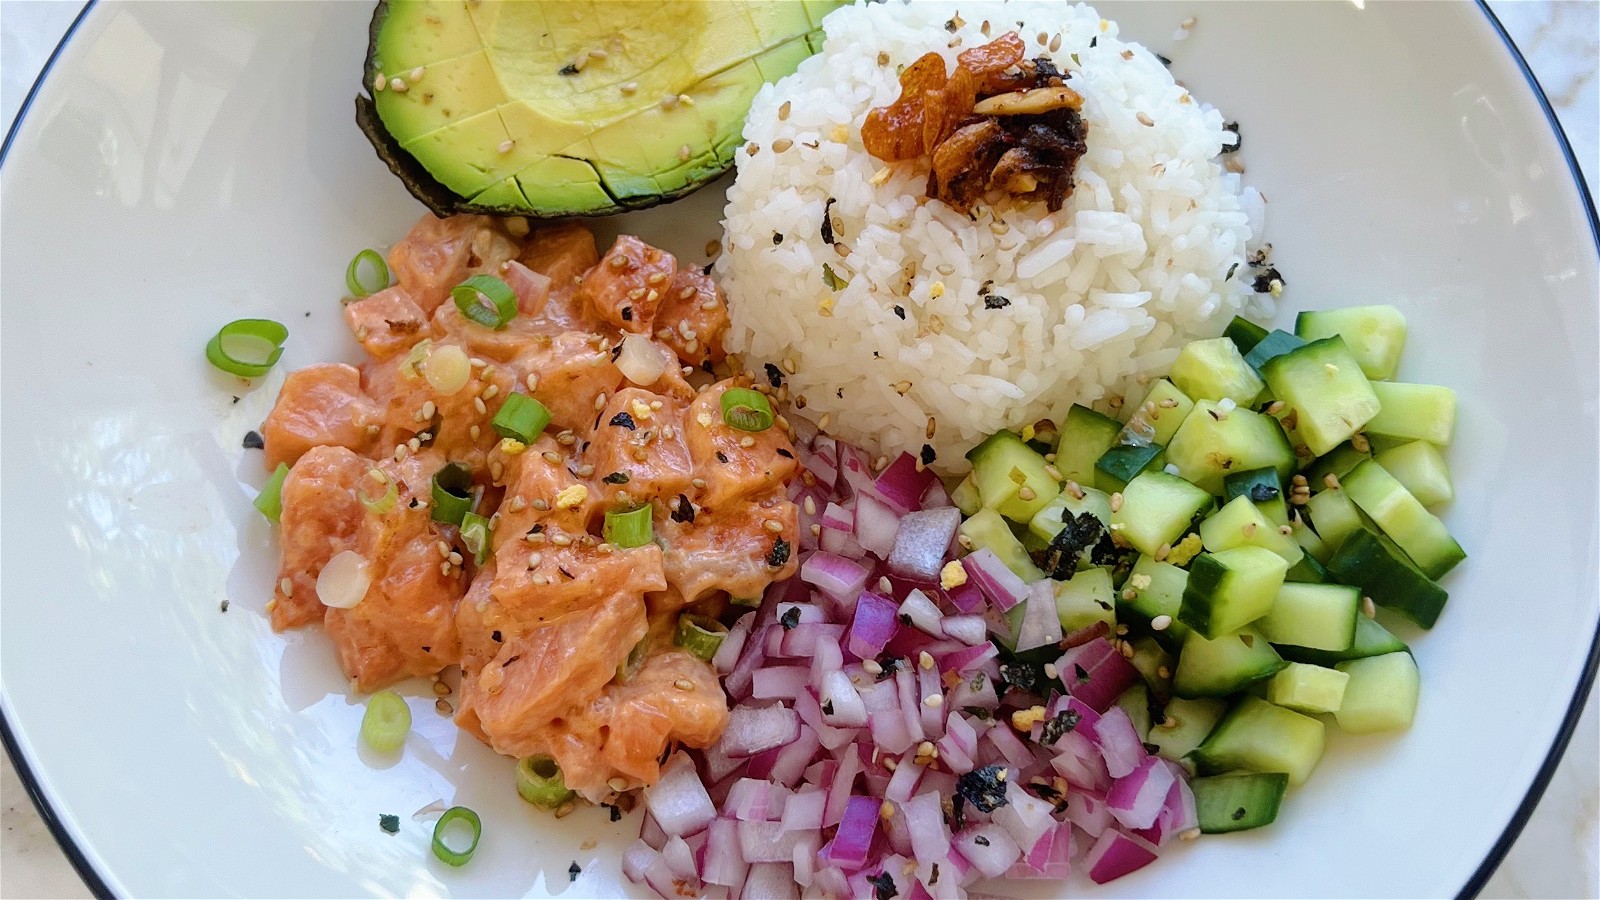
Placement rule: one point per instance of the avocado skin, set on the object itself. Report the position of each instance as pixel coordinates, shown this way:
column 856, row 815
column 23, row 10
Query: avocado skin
column 444, row 202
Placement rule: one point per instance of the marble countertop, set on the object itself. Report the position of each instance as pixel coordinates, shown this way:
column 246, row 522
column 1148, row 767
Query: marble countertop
column 1555, row 857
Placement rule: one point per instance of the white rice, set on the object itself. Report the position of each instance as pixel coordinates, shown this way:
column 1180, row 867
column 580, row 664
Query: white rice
column 1102, row 292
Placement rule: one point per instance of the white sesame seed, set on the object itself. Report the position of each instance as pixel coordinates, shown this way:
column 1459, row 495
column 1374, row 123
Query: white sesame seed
column 1161, row 623
column 478, row 404
column 933, row 701
column 416, row 74
column 286, row 587
column 455, row 558
column 428, row 409
column 506, row 146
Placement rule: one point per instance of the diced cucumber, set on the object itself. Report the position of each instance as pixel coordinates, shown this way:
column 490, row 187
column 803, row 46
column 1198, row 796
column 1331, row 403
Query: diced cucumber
column 1308, row 571
column 1086, row 598
column 1135, row 701
column 1264, row 489
column 1333, row 516
column 1214, row 369
column 1158, row 416
column 1157, row 589
column 1414, row 412
column 1085, row 437
column 1336, row 462
column 985, row 528
column 1157, row 509
column 1212, row 442
column 1118, row 466
column 965, row 496
column 1421, row 468
column 1383, row 572
column 1275, row 344
column 1257, row 736
column 1240, row 523
column 1238, row 802
column 1048, row 521
column 1314, row 546
column 1381, row 695
column 1230, row 589
column 1319, row 616
column 1322, row 385
column 1403, row 519
column 1151, row 659
column 1371, row 639
column 1308, row 689
column 1185, row 725
column 1244, row 333
column 1375, row 334
column 1011, row 478
column 1220, row 667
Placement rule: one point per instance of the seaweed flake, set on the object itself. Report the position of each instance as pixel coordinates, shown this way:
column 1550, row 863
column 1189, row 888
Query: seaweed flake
column 389, row 823
column 774, row 375
column 1045, row 68
column 785, row 453
column 777, row 239
column 927, row 455
column 616, row 478
column 1080, row 672
column 1263, row 493
column 627, row 316
column 722, row 457
column 790, row 618
column 1060, row 559
column 1238, row 137
column 623, row 420
column 827, row 707
column 995, row 301
column 253, row 441
column 568, row 69
column 1164, row 61
column 984, row 788
column 683, row 510
column 900, row 311
column 779, row 554
column 887, row 665
column 617, row 350
column 1266, row 278
column 882, row 886
column 573, row 871
column 827, row 222
column 1057, row 727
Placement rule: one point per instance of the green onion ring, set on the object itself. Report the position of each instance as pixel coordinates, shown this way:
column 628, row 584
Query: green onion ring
column 452, row 494
column 385, row 501
column 521, row 418
column 442, row 850
column 270, row 500
column 475, row 536
column 502, row 305
column 630, row 666
column 264, row 331
column 539, row 781
column 628, row 527
column 386, row 722
column 746, row 410
column 380, row 274
column 700, row 635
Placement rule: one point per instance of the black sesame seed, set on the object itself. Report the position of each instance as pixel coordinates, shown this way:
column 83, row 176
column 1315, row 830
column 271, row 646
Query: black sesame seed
column 568, row 69
column 928, row 455
column 627, row 316
column 253, row 441
column 774, row 375
column 900, row 311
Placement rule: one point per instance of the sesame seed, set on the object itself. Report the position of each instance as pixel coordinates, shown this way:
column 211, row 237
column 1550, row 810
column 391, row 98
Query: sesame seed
column 810, row 506
column 561, row 540
column 617, row 784
column 747, row 441
column 1331, row 481
column 534, row 559
column 1161, row 623
column 379, row 83
column 600, row 401
column 443, row 548
column 684, row 152
column 478, row 404
column 1116, row 502
column 781, row 144
column 506, row 146
column 551, row 457
column 1024, row 493
column 490, row 391
column 532, row 381
column 886, row 810
column 444, row 568
column 629, row 87
column 474, row 431
column 286, row 587
column 585, row 470
column 871, row 667
column 397, row 85
column 1145, row 120
column 925, row 660
column 933, row 701
column 1368, row 608
column 428, row 409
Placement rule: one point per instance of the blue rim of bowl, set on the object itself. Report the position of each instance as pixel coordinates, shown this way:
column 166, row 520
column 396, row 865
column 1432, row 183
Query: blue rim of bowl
column 1497, row 853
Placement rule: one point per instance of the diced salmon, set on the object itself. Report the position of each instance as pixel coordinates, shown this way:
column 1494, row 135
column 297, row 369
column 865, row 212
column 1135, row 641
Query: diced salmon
column 406, row 393
column 693, row 317
column 640, row 448
column 404, row 626
column 730, row 469
column 730, row 547
column 673, row 697
column 562, row 252
column 572, row 371
column 320, row 518
column 500, row 345
column 434, row 257
column 387, row 322
column 628, row 285
column 319, row 405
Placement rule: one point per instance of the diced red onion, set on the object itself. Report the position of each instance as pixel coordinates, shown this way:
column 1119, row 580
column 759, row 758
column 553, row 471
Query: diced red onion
column 966, row 629
column 732, row 644
column 850, row 844
column 935, row 496
column 767, row 842
column 1001, row 585
column 1114, row 855
column 1080, row 761
column 641, row 360
column 930, row 837
column 965, row 662
column 830, row 882
column 968, row 598
column 855, row 475
column 876, row 525
column 923, row 613
column 965, row 695
column 752, row 730
column 874, row 624
column 902, row 485
column 932, row 716
column 924, row 542
column 803, row 811
column 1096, row 673
column 841, row 702
column 779, row 682
column 1040, row 624
column 1119, row 744
column 823, row 462
column 770, row 881
column 841, row 543
column 825, row 657
column 1178, row 813
column 533, row 290
column 678, row 801
column 1137, row 798
column 994, row 854
column 721, row 862
column 911, row 704
column 794, row 757
column 680, row 859
column 835, row 576
column 636, row 860
column 1010, row 746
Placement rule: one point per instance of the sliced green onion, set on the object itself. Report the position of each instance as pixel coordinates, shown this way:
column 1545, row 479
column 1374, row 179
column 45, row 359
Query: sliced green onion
column 247, row 347
column 628, row 527
column 270, row 500
column 442, row 850
column 746, row 410
column 751, row 602
column 635, row 661
column 475, row 535
column 386, row 722
column 700, row 635
column 378, row 281
column 521, row 418
column 452, row 494
column 539, row 782
column 383, row 502
column 500, row 308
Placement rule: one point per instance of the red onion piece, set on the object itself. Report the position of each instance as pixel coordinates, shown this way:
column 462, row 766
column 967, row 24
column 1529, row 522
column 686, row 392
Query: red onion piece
column 1096, row 673
column 1114, row 855
column 752, row 730
column 850, row 845
column 993, row 854
column 924, row 542
column 637, row 859
column 721, row 862
column 770, row 881
column 679, row 858
column 678, row 801
column 966, row 629
column 902, row 486
column 532, row 290
column 733, row 644
column 840, row 579
column 923, row 613
column 803, row 811
column 841, row 702
column 874, row 624
column 1001, row 585
column 1040, row 624
column 931, row 717
column 793, row 758
column 1080, row 761
column 1025, row 817
column 911, row 705
column 1011, row 747
column 767, row 842
column 779, row 682
column 1136, row 799
column 876, row 525
column 1119, row 743
column 968, row 598
column 748, row 800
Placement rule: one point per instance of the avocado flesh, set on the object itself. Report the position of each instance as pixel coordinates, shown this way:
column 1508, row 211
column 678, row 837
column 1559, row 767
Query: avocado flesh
column 492, row 73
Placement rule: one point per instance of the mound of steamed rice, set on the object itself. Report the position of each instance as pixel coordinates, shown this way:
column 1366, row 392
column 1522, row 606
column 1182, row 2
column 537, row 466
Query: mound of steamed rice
column 1147, row 254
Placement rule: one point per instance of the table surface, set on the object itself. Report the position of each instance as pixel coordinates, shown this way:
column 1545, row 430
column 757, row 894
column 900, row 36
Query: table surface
column 1556, row 855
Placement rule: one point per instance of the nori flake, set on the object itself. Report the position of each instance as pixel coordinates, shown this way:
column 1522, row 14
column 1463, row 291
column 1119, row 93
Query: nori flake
column 253, row 441
column 779, row 554
column 1264, row 279
column 1238, row 137
column 827, row 222
column 984, row 788
column 995, row 301
column 568, row 69
column 790, row 619
column 927, row 455
column 774, row 375
column 1055, row 728
column 1060, row 559
column 1261, row 493
column 882, row 886
column 683, row 510
column 900, row 311
column 623, row 420
column 573, row 871
column 389, row 823
column 616, row 478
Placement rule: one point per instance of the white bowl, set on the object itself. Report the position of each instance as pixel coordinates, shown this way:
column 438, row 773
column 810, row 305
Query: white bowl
column 182, row 165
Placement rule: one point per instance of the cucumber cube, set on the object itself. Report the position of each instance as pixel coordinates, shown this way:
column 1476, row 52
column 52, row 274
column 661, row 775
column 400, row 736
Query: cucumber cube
column 1239, row 802
column 1334, row 516
column 1374, row 334
column 1403, row 518
column 1012, row 479
column 1085, row 436
column 1118, row 466
column 1336, row 462
column 1273, row 345
column 1307, row 689
column 1135, row 701
column 1157, row 590
column 1151, row 659
column 1421, row 469
column 1158, row 416
column 1213, row 442
column 1221, row 667
column 1414, row 412
column 1381, row 695
column 1229, row 589
column 1264, row 490
column 1086, row 598
column 1214, row 369
column 985, row 529
column 1309, row 541
column 1308, row 571
column 1371, row 639
column 1319, row 616
column 1157, row 509
column 1244, row 333
column 1258, row 736
column 1323, row 386
column 1048, row 521
column 965, row 496
column 1382, row 571
column 1240, row 523
column 1185, row 725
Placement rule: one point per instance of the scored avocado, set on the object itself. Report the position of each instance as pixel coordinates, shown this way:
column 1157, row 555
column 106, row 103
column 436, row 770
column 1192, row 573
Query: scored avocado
column 564, row 107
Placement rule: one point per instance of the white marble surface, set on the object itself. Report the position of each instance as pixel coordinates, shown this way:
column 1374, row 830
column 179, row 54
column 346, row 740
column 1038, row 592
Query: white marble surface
column 1556, row 856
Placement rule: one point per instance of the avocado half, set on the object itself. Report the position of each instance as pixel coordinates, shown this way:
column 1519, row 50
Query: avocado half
column 551, row 108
